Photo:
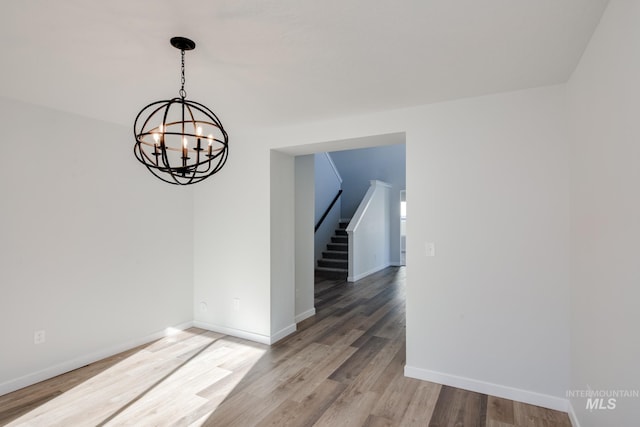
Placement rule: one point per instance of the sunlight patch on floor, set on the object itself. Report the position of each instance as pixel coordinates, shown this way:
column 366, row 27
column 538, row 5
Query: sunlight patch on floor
column 184, row 373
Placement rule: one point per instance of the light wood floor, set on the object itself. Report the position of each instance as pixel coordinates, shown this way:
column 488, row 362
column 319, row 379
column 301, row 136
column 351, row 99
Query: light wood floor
column 344, row 367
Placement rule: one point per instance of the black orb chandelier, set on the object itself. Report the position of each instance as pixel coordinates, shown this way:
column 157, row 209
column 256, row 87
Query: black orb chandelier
column 180, row 141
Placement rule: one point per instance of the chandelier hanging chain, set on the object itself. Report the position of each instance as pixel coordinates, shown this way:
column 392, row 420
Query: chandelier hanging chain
column 183, row 93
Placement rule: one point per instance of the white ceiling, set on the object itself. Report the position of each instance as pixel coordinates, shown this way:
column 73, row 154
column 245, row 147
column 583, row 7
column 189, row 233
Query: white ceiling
column 262, row 62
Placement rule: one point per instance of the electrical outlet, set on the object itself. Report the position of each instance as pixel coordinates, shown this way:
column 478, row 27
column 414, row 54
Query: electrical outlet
column 39, row 337
column 236, row 304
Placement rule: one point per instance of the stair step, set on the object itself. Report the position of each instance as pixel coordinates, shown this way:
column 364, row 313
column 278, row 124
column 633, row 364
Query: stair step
column 333, row 263
column 343, row 247
column 332, row 273
column 335, row 255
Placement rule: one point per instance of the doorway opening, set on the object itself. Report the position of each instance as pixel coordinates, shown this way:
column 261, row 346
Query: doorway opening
column 292, row 267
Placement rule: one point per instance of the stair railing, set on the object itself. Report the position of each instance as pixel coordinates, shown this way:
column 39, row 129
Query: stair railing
column 324, row 215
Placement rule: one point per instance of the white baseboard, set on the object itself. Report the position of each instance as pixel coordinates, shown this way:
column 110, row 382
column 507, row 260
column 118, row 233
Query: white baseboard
column 238, row 333
column 300, row 317
column 367, row 273
column 78, row 362
column 572, row 416
column 505, row 392
column 246, row 335
column 283, row 333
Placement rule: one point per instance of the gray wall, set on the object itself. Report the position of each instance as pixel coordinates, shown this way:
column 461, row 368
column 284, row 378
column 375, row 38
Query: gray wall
column 359, row 167
column 327, row 184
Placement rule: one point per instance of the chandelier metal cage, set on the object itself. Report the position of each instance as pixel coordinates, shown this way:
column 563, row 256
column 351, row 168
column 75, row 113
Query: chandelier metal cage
column 180, row 141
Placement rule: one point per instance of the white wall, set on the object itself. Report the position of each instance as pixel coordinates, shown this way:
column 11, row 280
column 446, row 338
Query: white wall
column 489, row 182
column 369, row 232
column 304, row 237
column 232, row 246
column 94, row 249
column 234, row 258
column 604, row 92
column 282, row 246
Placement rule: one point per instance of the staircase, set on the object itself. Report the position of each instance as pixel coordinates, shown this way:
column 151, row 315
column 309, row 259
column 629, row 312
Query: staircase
column 334, row 263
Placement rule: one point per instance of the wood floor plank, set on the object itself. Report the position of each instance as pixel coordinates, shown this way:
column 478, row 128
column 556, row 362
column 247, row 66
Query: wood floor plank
column 20, row 402
column 320, row 372
column 500, row 410
column 394, row 366
column 459, row 407
column 359, row 360
column 379, row 365
column 334, row 334
column 423, row 402
column 398, row 393
column 14, row 411
column 243, row 409
column 378, row 421
column 289, row 370
column 307, row 411
column 351, row 411
column 494, row 423
column 535, row 416
column 393, row 404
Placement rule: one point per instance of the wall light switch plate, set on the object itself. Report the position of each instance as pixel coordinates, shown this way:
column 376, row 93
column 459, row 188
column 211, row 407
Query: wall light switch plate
column 430, row 248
